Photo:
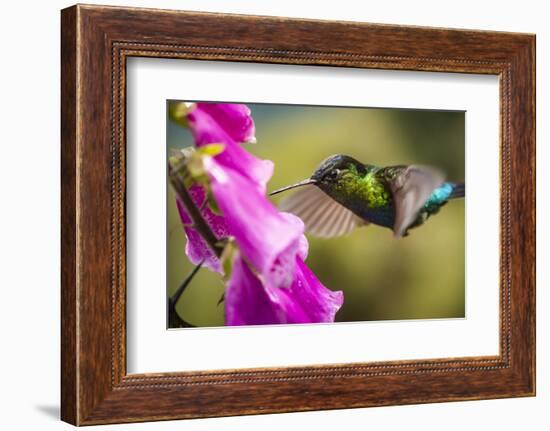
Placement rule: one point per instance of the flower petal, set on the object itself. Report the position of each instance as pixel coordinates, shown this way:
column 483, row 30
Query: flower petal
column 233, row 118
column 303, row 244
column 248, row 302
column 196, row 247
column 267, row 238
column 209, row 126
column 317, row 303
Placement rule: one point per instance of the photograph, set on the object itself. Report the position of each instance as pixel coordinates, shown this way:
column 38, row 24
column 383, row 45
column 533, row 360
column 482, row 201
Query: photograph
column 296, row 214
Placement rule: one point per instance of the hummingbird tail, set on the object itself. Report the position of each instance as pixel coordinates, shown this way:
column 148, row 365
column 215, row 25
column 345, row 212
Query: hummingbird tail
column 459, row 190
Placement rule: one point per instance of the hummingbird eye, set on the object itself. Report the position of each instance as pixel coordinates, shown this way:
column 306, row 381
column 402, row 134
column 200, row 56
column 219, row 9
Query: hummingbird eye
column 333, row 175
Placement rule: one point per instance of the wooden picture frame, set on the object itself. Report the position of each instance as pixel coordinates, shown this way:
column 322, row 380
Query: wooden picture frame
column 95, row 43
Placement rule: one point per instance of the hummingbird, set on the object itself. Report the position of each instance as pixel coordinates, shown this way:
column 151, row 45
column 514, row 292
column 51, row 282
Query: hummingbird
column 343, row 194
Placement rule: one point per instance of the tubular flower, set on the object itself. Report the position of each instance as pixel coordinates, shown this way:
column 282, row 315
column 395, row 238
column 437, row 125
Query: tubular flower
column 267, row 238
column 231, row 125
column 267, row 280
column 249, row 302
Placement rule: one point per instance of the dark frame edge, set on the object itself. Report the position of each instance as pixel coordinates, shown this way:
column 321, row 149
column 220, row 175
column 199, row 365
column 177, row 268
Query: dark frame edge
column 69, row 332
column 529, row 61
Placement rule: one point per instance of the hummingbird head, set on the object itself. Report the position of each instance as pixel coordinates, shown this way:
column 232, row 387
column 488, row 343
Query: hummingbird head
column 332, row 172
column 334, row 168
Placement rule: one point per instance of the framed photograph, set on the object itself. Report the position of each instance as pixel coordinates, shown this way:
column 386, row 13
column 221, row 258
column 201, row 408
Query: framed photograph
column 329, row 214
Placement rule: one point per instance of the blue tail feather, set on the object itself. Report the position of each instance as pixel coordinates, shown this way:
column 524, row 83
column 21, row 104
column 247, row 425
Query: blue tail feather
column 459, row 190
column 445, row 192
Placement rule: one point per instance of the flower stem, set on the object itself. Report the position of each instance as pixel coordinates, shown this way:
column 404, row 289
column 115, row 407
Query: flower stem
column 177, row 294
column 199, row 223
column 176, row 176
column 174, row 320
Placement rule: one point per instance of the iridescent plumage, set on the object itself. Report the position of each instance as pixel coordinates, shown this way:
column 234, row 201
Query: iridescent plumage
column 344, row 193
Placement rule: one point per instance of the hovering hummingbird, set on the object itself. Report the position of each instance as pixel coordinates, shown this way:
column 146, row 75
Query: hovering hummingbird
column 344, row 193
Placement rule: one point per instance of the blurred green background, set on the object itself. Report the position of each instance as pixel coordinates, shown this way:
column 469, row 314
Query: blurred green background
column 418, row 277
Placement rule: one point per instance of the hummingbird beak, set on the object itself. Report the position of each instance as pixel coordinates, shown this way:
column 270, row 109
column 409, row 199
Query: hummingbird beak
column 293, row 186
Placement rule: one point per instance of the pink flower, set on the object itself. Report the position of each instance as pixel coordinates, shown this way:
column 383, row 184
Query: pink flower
column 196, row 247
column 269, row 281
column 267, row 238
column 249, row 302
column 231, row 125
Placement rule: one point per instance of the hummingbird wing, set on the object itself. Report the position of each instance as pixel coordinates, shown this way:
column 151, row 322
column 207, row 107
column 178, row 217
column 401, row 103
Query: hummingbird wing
column 322, row 215
column 411, row 186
